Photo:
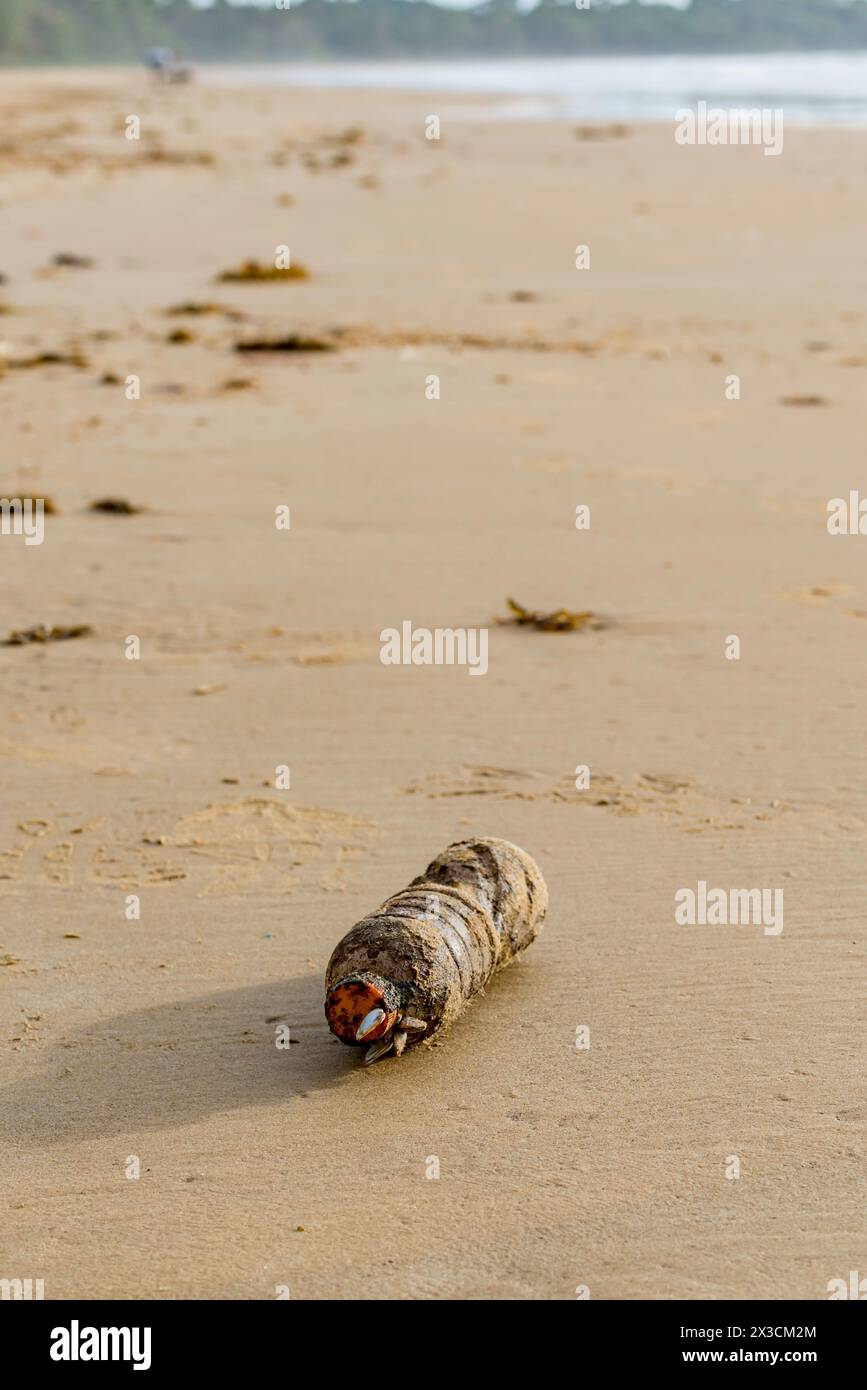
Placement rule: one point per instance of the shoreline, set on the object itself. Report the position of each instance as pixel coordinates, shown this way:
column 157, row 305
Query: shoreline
column 491, row 95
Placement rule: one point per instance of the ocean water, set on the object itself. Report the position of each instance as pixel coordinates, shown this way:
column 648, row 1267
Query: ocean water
column 811, row 88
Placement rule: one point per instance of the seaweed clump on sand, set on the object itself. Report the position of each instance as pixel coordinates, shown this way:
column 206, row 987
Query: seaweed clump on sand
column 292, row 342
column 73, row 358
column 159, row 155
column 253, row 272
column 192, row 308
column 115, row 506
column 72, row 261
column 615, row 131
column 238, row 383
column 560, row 620
column 40, row 634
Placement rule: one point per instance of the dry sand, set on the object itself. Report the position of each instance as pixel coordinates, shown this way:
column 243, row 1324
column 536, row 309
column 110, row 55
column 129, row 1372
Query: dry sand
column 155, row 1038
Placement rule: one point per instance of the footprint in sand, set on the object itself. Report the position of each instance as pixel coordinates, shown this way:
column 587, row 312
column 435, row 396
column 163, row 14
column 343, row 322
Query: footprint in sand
column 473, row 780
column 224, row 848
column 260, row 842
column 664, row 795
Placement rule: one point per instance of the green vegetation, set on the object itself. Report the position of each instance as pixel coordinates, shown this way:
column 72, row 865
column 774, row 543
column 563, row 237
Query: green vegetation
column 59, row 31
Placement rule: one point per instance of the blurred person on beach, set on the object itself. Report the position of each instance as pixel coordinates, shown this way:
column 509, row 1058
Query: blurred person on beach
column 164, row 64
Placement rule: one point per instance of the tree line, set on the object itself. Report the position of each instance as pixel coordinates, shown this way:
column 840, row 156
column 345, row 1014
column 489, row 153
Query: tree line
column 75, row 31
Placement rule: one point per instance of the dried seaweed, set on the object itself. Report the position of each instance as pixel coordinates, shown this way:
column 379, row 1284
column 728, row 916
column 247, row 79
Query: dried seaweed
column 115, row 506
column 560, row 620
column 803, row 400
column 615, row 131
column 158, row 155
column 72, row 261
column 41, row 634
column 353, row 135
column 365, row 335
column 197, row 309
column 293, row 342
column 49, row 359
column 252, row 272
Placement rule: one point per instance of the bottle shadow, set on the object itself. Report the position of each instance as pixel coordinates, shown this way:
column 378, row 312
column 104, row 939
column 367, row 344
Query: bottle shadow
column 176, row 1063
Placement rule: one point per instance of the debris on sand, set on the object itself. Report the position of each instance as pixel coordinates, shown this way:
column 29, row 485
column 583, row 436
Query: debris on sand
column 367, row 335
column 803, row 400
column 353, row 135
column 49, row 359
column 486, row 893
column 40, row 634
column 293, row 342
column 115, row 506
column 561, row 620
column 159, row 155
column 180, row 335
column 615, row 131
column 239, row 383
column 253, row 271
column 192, row 308
column 72, row 261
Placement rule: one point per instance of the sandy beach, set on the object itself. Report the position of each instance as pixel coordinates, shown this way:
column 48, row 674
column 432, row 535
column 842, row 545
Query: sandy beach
column 155, row 1141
